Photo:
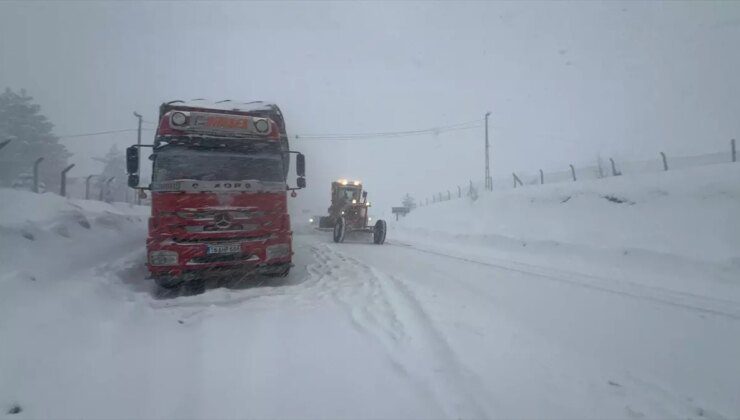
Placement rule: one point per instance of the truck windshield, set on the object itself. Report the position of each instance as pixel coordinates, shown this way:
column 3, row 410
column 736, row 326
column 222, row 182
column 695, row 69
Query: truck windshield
column 216, row 166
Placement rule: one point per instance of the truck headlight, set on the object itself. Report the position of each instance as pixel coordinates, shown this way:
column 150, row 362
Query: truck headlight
column 278, row 251
column 310, row 220
column 159, row 258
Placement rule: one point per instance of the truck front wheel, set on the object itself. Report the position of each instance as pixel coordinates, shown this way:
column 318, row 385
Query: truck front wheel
column 168, row 283
column 196, row 286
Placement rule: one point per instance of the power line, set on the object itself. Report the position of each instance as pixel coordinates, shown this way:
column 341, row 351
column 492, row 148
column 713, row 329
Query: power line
column 358, row 136
column 329, row 136
column 123, row 130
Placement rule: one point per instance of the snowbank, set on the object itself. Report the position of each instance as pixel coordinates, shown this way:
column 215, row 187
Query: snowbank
column 693, row 213
column 45, row 235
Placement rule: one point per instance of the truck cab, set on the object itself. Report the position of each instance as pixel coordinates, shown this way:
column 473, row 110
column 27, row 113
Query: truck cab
column 218, row 192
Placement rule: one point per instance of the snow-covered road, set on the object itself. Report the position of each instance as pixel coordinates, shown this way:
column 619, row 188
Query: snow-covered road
column 504, row 339
column 359, row 330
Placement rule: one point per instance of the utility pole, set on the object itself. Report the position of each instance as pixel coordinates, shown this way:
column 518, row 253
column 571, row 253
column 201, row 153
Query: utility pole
column 138, row 143
column 488, row 168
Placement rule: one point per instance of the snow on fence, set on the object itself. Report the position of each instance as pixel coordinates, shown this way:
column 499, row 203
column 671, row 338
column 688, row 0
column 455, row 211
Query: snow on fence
column 575, row 173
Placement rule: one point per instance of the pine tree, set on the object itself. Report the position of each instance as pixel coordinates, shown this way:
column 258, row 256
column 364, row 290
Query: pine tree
column 31, row 133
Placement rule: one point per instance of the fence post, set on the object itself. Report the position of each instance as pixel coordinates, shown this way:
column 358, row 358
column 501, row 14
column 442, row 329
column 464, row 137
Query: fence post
column 36, row 174
column 5, row 143
column 87, row 187
column 449, row 196
column 459, row 192
column 734, row 151
column 64, row 179
column 614, row 168
column 107, row 183
column 516, row 179
column 542, row 177
column 665, row 161
column 427, row 202
column 573, row 171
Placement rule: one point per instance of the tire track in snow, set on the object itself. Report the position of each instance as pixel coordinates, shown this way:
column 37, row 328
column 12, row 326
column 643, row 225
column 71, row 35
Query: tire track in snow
column 683, row 300
column 382, row 306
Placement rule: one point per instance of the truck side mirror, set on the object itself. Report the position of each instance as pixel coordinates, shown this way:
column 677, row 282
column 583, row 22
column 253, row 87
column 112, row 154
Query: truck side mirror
column 132, row 161
column 301, row 182
column 133, row 180
column 300, row 165
column 364, row 194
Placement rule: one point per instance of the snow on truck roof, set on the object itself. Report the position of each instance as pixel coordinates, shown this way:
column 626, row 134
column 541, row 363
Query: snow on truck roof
column 226, row 105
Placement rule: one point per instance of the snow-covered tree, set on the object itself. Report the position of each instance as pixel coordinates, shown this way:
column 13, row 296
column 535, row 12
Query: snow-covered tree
column 408, row 201
column 31, row 133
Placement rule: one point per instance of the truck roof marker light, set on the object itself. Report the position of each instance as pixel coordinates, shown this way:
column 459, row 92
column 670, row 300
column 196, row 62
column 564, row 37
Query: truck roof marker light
column 262, row 125
column 354, row 201
column 342, row 181
column 179, row 118
column 356, row 182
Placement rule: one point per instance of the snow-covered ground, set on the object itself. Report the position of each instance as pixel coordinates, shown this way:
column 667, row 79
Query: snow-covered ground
column 547, row 302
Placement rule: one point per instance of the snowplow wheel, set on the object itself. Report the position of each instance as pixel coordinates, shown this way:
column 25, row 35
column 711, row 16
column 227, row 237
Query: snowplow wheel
column 379, row 232
column 339, row 229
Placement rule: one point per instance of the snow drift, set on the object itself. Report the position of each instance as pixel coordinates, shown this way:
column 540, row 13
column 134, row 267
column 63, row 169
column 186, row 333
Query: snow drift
column 677, row 229
column 694, row 213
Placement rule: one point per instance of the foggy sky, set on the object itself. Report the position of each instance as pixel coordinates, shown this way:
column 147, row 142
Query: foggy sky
column 565, row 82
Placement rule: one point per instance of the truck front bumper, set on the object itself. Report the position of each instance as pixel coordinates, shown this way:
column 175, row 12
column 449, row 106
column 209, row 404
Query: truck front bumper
column 197, row 259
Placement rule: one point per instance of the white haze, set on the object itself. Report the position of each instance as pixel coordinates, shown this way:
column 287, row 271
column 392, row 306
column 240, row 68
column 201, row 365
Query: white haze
column 565, row 82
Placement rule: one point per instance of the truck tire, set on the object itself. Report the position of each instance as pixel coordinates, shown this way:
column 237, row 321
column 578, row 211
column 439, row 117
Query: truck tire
column 196, row 286
column 167, row 283
column 282, row 273
column 339, row 230
column 379, row 232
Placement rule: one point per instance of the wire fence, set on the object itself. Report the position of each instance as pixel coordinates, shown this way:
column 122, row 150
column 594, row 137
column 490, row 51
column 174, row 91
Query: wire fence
column 602, row 169
column 34, row 176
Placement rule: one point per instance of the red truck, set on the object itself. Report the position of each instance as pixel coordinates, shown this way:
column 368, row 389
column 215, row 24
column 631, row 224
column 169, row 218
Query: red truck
column 218, row 192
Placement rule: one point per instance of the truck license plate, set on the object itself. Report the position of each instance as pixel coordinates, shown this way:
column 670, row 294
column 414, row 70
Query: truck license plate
column 224, row 249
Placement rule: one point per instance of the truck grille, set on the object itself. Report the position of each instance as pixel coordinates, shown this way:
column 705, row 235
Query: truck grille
column 221, row 240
